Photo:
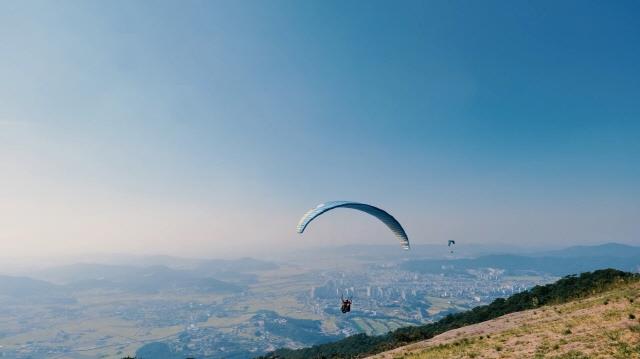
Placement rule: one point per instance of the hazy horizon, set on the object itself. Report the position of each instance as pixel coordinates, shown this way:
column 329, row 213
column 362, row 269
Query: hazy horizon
column 208, row 128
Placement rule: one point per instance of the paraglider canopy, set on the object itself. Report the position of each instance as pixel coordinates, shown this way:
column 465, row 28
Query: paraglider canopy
column 380, row 214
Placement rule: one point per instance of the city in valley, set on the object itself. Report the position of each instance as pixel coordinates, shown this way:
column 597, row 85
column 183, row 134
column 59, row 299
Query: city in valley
column 178, row 307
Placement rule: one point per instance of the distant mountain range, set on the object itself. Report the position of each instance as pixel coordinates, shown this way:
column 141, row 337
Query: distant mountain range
column 243, row 265
column 151, row 279
column 166, row 273
column 209, row 276
column 392, row 252
column 24, row 286
column 144, row 275
column 17, row 289
column 603, row 250
column 567, row 261
column 395, row 252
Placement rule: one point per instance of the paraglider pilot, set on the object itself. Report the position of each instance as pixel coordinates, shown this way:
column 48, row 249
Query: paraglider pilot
column 346, row 305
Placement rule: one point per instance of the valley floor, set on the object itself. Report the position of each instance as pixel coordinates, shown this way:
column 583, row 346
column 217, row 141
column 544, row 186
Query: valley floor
column 603, row 326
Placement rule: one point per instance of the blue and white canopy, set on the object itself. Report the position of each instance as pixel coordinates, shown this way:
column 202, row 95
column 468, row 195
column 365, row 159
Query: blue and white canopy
column 380, row 214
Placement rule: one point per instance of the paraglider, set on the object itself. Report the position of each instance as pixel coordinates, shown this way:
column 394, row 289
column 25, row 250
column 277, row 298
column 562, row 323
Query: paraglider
column 346, row 305
column 380, row 214
column 451, row 243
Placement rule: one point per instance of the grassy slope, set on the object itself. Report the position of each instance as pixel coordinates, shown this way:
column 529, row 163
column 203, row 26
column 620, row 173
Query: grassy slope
column 601, row 326
column 539, row 298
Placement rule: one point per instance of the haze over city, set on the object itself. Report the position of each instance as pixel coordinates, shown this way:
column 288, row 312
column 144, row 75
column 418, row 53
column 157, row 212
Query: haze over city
column 207, row 128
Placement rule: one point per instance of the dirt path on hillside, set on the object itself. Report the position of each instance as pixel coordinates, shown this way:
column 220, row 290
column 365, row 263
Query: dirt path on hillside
column 490, row 327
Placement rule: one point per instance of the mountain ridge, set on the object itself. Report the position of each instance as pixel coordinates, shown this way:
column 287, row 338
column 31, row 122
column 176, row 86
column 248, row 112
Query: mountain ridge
column 610, row 249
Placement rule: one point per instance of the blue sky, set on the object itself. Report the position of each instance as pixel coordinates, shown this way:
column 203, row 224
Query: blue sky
column 181, row 126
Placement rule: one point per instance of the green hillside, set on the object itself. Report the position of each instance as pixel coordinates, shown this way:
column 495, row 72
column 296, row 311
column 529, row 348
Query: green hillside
column 564, row 290
column 603, row 325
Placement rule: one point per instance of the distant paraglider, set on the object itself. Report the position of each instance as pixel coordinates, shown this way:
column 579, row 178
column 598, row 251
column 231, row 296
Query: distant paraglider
column 380, row 214
column 450, row 244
